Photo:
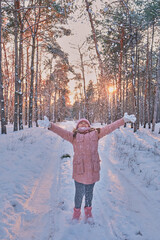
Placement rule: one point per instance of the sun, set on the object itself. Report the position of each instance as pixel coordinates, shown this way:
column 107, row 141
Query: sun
column 111, row 89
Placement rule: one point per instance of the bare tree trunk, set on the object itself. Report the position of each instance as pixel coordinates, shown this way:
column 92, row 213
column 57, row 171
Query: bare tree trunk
column 95, row 38
column 31, row 83
column 138, row 90
column 3, row 122
column 16, row 66
column 34, row 31
column 39, row 87
column 150, row 98
column 55, row 103
column 26, row 87
column 20, row 74
column 126, row 87
column 6, row 84
column 11, row 89
column 156, row 102
column 123, row 98
column 49, row 93
column 135, row 84
column 36, row 88
column 146, row 85
column 23, row 85
column 113, row 104
column 84, row 85
column 119, row 92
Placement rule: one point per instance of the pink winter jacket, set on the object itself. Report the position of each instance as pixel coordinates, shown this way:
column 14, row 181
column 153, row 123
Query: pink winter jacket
column 86, row 161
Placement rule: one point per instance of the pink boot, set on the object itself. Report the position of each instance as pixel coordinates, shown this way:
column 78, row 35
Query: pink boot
column 76, row 213
column 88, row 213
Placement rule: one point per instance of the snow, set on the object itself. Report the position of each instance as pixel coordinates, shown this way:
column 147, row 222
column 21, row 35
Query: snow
column 37, row 189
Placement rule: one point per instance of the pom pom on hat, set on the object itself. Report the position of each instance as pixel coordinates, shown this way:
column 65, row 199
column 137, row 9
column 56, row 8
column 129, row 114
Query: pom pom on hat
column 83, row 120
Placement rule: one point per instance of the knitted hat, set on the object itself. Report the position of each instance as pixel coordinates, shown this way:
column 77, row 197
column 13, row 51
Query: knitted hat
column 83, row 120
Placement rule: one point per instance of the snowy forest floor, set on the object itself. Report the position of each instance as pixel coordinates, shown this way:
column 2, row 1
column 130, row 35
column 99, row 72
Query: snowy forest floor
column 37, row 189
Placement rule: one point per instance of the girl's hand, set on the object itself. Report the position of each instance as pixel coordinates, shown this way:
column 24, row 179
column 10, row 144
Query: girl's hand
column 44, row 123
column 129, row 118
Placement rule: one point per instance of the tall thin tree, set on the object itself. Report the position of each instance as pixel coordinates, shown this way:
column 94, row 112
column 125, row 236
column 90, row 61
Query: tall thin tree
column 3, row 122
column 156, row 101
column 16, row 7
column 20, row 77
column 34, row 31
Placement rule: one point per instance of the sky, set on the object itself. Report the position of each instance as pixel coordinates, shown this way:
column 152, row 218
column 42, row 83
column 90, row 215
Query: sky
column 79, row 34
column 80, row 29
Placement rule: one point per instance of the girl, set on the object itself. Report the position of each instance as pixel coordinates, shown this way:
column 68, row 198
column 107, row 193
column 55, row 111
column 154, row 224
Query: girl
column 86, row 162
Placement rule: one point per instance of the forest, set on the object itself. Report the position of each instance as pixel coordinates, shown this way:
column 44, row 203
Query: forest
column 121, row 50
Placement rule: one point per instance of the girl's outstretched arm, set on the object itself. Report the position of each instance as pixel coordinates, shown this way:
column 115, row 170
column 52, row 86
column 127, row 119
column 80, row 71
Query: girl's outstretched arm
column 67, row 135
column 111, row 127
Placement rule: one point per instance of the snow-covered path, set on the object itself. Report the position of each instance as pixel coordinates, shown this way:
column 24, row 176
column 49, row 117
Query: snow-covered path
column 126, row 199
column 42, row 201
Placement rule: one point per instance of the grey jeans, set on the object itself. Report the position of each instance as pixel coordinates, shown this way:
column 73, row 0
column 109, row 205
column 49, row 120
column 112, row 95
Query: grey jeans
column 81, row 190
